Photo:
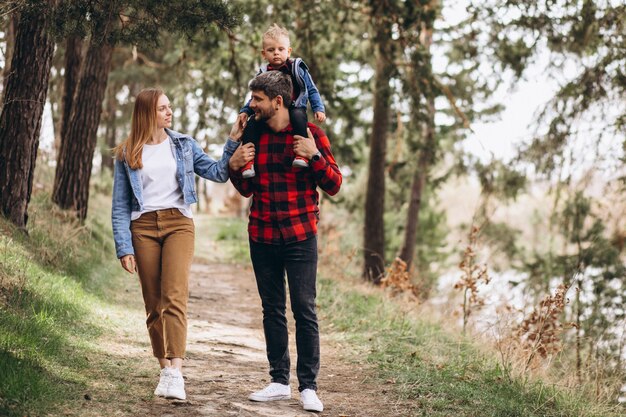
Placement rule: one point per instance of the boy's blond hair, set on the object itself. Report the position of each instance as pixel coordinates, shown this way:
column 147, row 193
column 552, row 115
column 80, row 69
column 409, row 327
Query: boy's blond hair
column 276, row 32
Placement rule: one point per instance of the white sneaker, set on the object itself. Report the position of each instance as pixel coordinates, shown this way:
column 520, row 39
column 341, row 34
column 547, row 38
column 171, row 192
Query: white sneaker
column 164, row 381
column 176, row 387
column 309, row 401
column 272, row 392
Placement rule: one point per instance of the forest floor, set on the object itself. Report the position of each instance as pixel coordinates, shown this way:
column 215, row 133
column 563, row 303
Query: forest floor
column 226, row 360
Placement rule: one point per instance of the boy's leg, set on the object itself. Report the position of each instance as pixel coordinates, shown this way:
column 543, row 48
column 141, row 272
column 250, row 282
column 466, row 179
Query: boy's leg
column 297, row 116
column 250, row 135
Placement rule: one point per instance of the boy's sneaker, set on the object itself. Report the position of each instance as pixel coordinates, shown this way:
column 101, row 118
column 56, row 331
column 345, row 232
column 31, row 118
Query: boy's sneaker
column 310, row 402
column 248, row 170
column 164, row 381
column 176, row 387
column 300, row 162
column 272, row 392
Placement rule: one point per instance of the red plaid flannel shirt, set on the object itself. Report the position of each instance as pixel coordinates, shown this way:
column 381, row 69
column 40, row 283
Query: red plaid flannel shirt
column 285, row 199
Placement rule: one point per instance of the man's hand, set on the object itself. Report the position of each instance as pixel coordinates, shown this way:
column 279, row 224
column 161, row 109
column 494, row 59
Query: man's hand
column 320, row 116
column 236, row 132
column 128, row 263
column 241, row 156
column 305, row 147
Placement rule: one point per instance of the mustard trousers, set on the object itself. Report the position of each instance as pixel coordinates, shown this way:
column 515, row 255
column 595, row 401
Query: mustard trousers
column 164, row 243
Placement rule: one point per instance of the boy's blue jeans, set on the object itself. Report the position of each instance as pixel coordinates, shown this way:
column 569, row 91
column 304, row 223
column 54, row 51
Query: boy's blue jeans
column 299, row 260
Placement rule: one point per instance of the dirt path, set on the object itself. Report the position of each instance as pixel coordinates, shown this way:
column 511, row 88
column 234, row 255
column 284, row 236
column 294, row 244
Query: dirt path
column 226, row 358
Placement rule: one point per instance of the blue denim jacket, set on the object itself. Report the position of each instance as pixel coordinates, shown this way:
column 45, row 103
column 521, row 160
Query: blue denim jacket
column 127, row 187
column 308, row 90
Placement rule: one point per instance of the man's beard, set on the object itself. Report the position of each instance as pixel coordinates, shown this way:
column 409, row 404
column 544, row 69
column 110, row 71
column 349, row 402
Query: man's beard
column 264, row 115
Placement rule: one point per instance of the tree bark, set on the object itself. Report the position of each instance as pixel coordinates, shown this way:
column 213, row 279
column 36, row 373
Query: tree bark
column 425, row 159
column 23, row 104
column 374, row 228
column 110, row 135
column 9, row 40
column 71, row 182
column 73, row 60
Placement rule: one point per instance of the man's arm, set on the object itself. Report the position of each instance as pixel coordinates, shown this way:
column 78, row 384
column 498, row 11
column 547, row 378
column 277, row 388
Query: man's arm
column 316, row 147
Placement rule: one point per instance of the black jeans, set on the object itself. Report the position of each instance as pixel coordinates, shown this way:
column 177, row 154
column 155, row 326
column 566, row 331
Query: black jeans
column 299, row 260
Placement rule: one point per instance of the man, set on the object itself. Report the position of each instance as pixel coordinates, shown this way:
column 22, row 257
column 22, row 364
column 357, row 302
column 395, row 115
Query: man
column 282, row 231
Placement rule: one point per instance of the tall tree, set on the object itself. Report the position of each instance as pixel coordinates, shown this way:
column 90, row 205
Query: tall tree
column 110, row 23
column 22, row 109
column 374, row 226
column 585, row 40
column 73, row 59
column 75, row 159
column 460, row 90
column 420, row 82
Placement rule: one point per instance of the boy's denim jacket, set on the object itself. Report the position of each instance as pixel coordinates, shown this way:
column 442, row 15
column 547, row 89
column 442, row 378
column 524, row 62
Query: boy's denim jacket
column 127, row 187
column 308, row 90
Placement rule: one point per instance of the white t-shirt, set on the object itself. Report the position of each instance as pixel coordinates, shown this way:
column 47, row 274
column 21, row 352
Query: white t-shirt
column 158, row 177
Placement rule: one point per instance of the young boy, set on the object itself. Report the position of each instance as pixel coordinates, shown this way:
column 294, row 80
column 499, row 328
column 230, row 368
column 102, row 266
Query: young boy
column 277, row 51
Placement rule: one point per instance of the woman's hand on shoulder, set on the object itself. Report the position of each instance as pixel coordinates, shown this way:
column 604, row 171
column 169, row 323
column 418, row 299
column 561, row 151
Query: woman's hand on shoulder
column 236, row 132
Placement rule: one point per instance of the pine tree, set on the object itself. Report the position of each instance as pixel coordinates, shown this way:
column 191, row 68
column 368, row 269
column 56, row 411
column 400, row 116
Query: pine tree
column 22, row 108
column 112, row 23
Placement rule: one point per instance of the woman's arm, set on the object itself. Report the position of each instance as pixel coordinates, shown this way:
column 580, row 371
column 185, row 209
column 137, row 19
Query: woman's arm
column 209, row 168
column 121, row 210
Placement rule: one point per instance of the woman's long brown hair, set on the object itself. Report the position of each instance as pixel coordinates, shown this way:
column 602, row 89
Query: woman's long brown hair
column 142, row 125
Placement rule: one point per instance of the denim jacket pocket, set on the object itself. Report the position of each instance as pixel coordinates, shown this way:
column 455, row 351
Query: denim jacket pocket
column 188, row 160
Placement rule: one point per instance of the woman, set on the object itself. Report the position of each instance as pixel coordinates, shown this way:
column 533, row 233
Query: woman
column 152, row 223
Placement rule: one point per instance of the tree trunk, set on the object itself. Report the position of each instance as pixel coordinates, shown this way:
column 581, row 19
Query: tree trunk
column 20, row 120
column 71, row 182
column 73, row 59
column 374, row 228
column 425, row 159
column 110, row 135
column 9, row 41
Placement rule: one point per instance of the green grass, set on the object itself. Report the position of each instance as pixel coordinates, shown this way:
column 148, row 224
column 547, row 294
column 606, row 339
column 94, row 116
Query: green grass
column 232, row 237
column 434, row 370
column 54, row 283
column 60, row 297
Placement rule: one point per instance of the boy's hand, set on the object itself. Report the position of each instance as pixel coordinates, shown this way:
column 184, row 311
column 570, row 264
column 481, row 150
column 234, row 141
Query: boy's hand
column 305, row 147
column 320, row 116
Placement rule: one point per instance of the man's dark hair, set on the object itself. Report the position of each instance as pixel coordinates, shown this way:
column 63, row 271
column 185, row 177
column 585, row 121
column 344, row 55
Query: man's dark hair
column 273, row 84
